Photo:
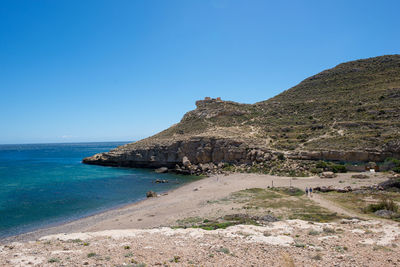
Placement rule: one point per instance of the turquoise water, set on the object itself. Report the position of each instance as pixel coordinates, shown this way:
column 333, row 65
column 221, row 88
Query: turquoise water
column 44, row 184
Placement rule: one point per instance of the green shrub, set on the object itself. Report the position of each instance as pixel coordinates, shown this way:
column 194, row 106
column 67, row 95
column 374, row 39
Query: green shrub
column 52, row 260
column 223, row 250
column 228, row 167
column 313, row 232
column 393, row 161
column 291, row 191
column 329, row 230
column 330, row 166
column 316, row 170
column 392, row 164
column 321, row 165
column 338, row 168
column 384, row 204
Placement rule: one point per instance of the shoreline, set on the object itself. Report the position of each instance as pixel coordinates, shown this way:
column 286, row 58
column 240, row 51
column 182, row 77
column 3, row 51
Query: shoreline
column 189, row 200
column 56, row 227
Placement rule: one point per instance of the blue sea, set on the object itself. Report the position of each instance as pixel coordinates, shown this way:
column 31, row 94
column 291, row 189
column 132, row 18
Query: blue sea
column 46, row 184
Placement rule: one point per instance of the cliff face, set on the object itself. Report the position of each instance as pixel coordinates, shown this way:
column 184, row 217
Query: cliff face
column 198, row 150
column 349, row 113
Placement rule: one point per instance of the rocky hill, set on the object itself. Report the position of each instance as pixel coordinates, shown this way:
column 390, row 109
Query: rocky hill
column 348, row 113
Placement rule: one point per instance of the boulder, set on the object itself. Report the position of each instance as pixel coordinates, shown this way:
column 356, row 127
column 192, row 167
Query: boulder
column 384, row 213
column 205, row 167
column 151, row 194
column 324, row 189
column 161, row 170
column 177, row 167
column 343, row 190
column 327, row 175
column 186, row 161
column 268, row 218
column 390, row 184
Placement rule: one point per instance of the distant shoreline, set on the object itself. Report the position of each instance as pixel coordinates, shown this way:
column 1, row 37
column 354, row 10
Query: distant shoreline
column 66, row 143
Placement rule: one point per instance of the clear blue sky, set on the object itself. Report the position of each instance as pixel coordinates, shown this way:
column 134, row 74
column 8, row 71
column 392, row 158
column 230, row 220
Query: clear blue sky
column 123, row 70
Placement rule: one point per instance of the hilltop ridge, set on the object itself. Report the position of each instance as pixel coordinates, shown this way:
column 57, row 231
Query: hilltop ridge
column 349, row 113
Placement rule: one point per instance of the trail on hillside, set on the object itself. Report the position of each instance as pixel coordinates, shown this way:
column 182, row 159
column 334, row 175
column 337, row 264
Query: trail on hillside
column 335, row 208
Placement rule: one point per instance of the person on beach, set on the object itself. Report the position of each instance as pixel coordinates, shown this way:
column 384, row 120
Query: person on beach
column 310, row 191
column 306, row 191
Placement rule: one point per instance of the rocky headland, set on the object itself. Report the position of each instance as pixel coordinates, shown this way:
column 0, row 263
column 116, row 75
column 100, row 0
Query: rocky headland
column 349, row 113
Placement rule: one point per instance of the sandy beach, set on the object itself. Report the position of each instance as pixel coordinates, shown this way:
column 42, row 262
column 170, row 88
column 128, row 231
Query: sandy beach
column 142, row 233
column 193, row 199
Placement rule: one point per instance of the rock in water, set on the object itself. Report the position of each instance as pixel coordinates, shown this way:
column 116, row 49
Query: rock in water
column 161, row 170
column 151, row 194
column 160, row 181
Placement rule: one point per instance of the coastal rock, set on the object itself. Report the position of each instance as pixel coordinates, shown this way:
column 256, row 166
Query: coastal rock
column 151, row 194
column 161, row 181
column 186, row 161
column 161, row 170
column 193, row 151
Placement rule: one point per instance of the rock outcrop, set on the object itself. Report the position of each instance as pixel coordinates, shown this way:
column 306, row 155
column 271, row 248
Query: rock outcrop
column 186, row 153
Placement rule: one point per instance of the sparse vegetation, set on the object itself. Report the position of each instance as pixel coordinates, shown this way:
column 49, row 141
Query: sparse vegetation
column 317, row 257
column 175, row 259
column 223, row 250
column 53, row 260
column 299, row 245
column 368, row 202
column 383, row 204
column 392, row 164
column 313, row 232
column 277, row 199
column 329, row 230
